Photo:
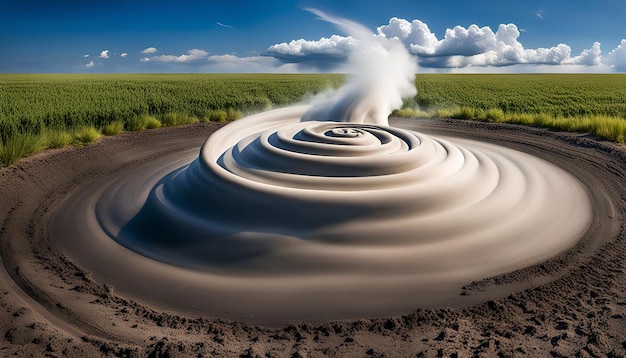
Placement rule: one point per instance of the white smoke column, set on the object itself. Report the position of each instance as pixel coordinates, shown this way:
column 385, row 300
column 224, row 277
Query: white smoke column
column 384, row 74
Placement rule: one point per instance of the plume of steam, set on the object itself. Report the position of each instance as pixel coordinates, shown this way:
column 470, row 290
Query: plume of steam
column 383, row 73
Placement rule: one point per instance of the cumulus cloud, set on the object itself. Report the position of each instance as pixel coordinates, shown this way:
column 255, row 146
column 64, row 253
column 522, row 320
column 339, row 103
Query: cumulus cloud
column 90, row 64
column 323, row 53
column 85, row 55
column 150, row 50
column 415, row 35
column 104, row 54
column 617, row 57
column 476, row 46
column 123, row 55
column 466, row 42
column 589, row 57
column 460, row 47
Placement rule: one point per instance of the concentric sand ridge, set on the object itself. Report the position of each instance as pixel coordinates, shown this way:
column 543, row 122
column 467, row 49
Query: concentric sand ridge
column 278, row 208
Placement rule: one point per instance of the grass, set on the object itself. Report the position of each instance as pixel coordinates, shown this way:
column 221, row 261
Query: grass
column 178, row 119
column 607, row 127
column 33, row 102
column 219, row 115
column 113, row 128
column 85, row 135
column 57, row 138
column 222, row 115
column 143, row 122
column 465, row 113
column 20, row 146
column 494, row 115
column 611, row 128
column 53, row 111
column 571, row 102
column 567, row 95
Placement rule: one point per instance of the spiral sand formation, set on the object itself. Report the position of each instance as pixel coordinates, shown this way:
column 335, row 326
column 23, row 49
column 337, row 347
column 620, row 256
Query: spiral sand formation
column 127, row 246
column 350, row 219
column 324, row 212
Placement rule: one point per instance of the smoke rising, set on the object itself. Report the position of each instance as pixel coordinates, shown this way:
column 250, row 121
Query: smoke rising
column 383, row 74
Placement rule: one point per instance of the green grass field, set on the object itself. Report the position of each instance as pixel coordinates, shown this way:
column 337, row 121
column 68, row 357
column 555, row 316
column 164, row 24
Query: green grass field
column 583, row 103
column 49, row 111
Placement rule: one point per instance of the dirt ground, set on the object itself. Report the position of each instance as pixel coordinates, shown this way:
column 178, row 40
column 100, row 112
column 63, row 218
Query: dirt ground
column 571, row 305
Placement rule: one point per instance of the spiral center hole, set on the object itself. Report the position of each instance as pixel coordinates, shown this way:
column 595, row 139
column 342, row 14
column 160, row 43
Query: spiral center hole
column 345, row 132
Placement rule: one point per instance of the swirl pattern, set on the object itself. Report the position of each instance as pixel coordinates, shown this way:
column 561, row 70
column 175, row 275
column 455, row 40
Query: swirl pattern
column 359, row 198
column 367, row 219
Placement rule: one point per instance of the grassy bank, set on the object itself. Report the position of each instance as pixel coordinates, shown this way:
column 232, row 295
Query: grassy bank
column 607, row 127
column 22, row 143
column 571, row 102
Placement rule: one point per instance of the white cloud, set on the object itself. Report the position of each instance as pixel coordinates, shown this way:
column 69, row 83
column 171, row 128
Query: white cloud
column 460, row 47
column 238, row 61
column 90, row 64
column 551, row 56
column 617, row 57
column 85, row 55
column 104, row 54
column 480, row 46
column 224, row 25
column 415, row 35
column 325, row 53
column 150, row 50
column 233, row 63
column 123, row 55
column 334, row 46
column 200, row 60
column 192, row 55
column 466, row 42
column 589, row 57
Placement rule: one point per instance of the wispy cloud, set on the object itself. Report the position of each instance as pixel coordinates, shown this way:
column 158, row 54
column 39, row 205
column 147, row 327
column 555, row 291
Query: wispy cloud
column 150, row 50
column 85, row 55
column 104, row 54
column 234, row 61
column 224, row 25
column 540, row 15
column 90, row 64
column 191, row 55
column 200, row 60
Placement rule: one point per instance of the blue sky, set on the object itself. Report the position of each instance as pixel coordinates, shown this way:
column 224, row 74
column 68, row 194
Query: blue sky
column 163, row 36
